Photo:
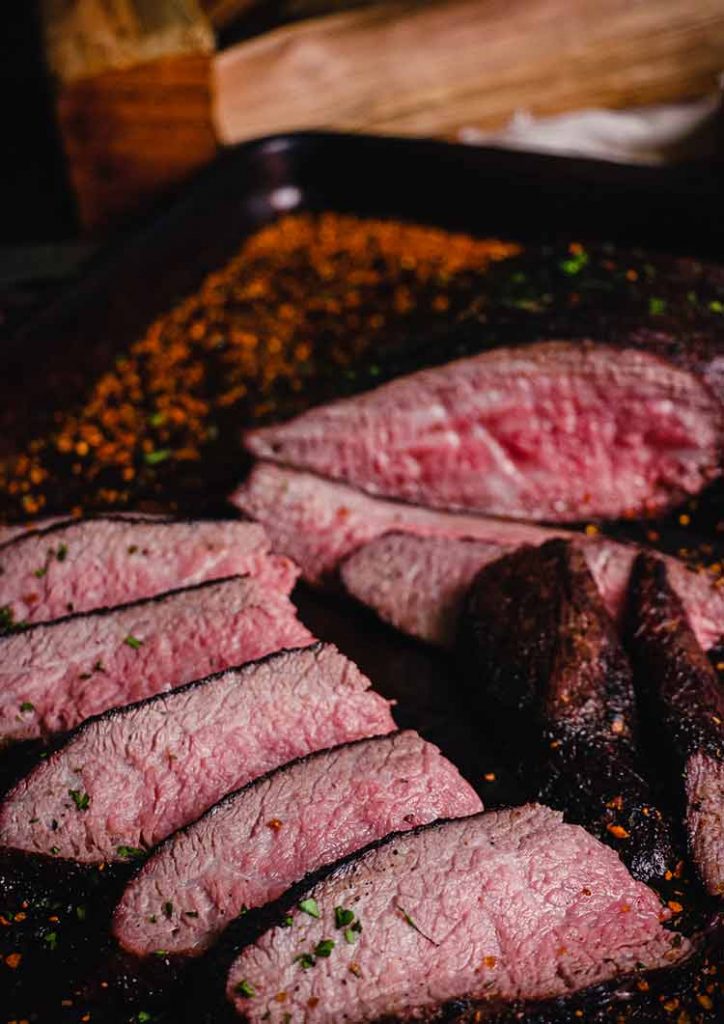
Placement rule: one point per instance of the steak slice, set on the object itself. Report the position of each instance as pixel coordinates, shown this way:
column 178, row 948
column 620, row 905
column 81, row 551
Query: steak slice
column 543, row 658
column 558, row 431
column 97, row 563
column 298, row 818
column 128, row 778
column 419, row 584
column 55, row 674
column 317, row 522
column 507, row 906
column 680, row 690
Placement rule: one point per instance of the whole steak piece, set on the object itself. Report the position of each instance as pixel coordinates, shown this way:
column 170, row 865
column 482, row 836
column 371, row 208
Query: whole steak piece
column 127, row 779
column 509, row 906
column 543, row 660
column 97, row 563
column 55, row 674
column 683, row 695
column 557, row 431
column 251, row 847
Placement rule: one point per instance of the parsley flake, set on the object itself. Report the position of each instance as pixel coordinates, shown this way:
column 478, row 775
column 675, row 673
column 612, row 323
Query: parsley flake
column 657, row 306
column 324, row 947
column 130, row 852
column 305, row 960
column 351, row 935
column 310, row 907
column 342, row 917
column 244, row 988
column 80, row 799
column 132, row 641
column 51, row 940
column 27, row 706
column 168, row 909
column 159, row 455
column 61, row 553
column 39, row 573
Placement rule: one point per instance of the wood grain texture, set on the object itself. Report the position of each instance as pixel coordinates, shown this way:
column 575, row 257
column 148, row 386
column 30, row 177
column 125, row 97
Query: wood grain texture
column 432, row 69
column 129, row 134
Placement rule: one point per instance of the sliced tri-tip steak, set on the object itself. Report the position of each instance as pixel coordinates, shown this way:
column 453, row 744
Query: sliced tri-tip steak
column 558, row 431
column 127, row 779
column 419, row 584
column 55, row 674
column 681, row 692
column 508, row 906
column 298, row 818
column 97, row 563
column 319, row 523
column 544, row 660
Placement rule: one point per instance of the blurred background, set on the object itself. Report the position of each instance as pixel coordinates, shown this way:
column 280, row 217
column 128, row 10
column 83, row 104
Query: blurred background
column 110, row 105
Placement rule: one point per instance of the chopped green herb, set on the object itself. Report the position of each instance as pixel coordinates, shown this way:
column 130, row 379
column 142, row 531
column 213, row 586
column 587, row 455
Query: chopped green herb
column 287, row 922
column 244, row 988
column 324, row 947
column 716, row 306
column 306, row 960
column 575, row 263
column 61, row 553
column 27, row 706
column 310, row 907
column 342, row 917
column 657, row 306
column 168, row 909
column 130, row 852
column 54, row 850
column 351, row 935
column 132, row 641
column 143, row 1017
column 39, row 573
column 51, row 940
column 7, row 617
column 157, row 419
column 160, row 952
column 80, row 799
column 80, row 913
column 159, row 455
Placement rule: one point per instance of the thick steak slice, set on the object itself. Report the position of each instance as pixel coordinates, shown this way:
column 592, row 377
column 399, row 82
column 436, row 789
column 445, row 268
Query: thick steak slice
column 681, row 691
column 418, row 584
column 317, row 523
column 543, row 657
column 557, row 431
column 55, row 674
column 130, row 777
column 98, row 563
column 507, row 906
column 298, row 818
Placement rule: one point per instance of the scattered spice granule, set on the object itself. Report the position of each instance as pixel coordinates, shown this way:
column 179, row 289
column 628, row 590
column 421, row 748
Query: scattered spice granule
column 13, row 960
column 674, row 906
column 618, row 831
column 309, row 296
column 275, row 824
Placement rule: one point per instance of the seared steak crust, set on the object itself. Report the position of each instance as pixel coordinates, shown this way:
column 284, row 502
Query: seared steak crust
column 542, row 655
column 681, row 691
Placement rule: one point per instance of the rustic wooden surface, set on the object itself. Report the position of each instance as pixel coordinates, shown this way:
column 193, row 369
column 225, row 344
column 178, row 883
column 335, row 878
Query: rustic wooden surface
column 403, row 68
column 432, row 69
